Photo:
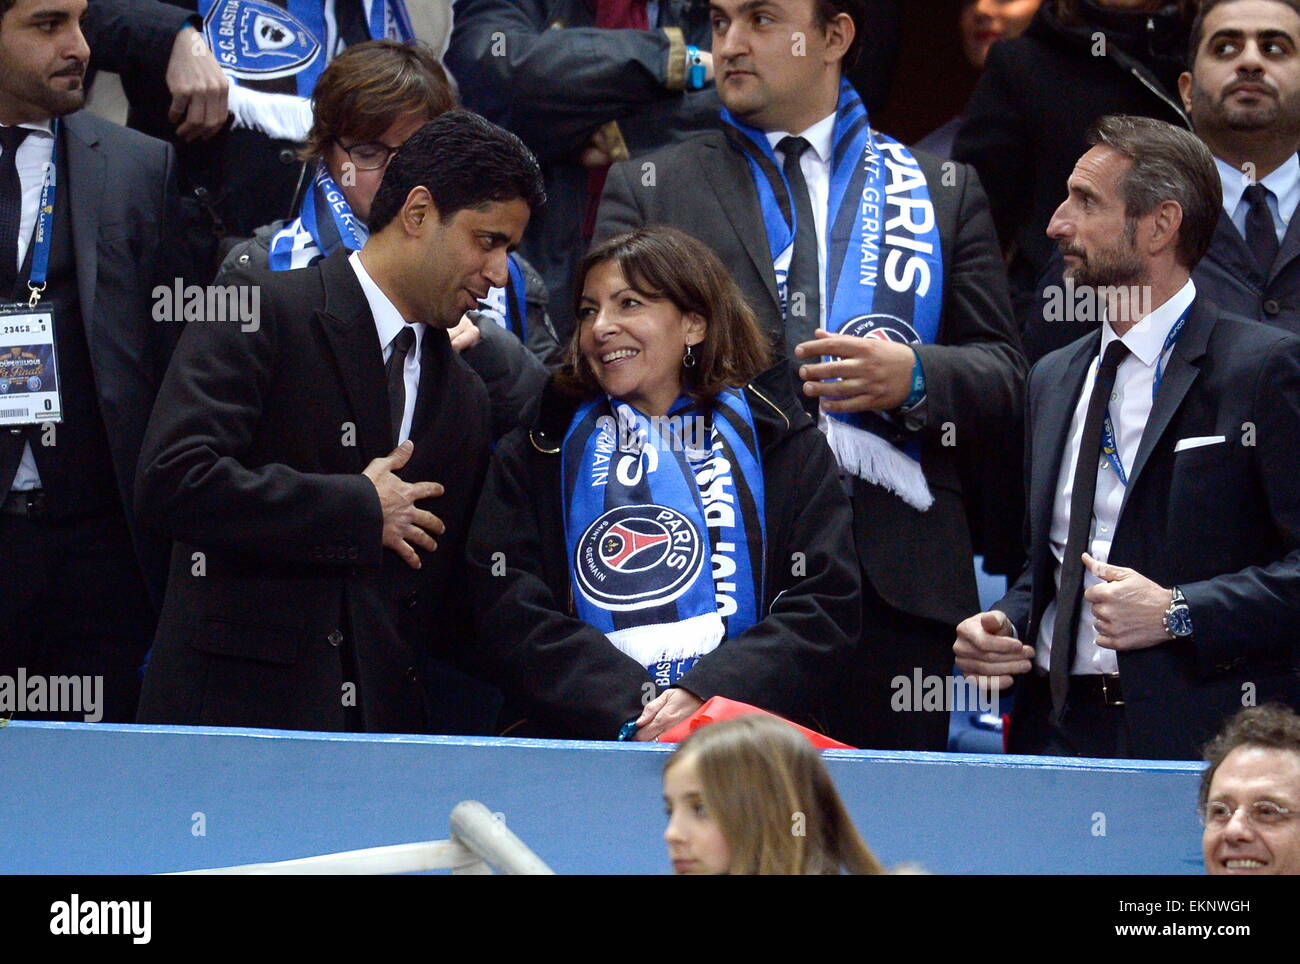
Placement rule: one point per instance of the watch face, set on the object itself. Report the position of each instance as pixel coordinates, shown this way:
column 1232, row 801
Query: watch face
column 1180, row 622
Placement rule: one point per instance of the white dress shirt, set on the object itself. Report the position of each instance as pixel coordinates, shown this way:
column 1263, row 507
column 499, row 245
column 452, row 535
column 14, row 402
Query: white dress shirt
column 34, row 153
column 815, row 163
column 1284, row 193
column 388, row 322
column 1129, row 407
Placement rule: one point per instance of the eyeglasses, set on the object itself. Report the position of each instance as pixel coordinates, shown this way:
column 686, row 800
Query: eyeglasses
column 1261, row 813
column 370, row 156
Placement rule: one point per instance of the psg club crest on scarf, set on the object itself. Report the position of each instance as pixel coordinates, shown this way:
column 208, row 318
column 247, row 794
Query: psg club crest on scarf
column 882, row 328
column 256, row 40
column 638, row 556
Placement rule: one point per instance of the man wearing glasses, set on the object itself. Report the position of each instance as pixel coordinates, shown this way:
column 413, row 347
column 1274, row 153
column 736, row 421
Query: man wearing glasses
column 1250, row 794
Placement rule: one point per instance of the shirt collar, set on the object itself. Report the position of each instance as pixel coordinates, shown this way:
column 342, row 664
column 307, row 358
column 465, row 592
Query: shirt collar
column 1146, row 339
column 1284, row 182
column 818, row 137
column 45, row 127
column 388, row 320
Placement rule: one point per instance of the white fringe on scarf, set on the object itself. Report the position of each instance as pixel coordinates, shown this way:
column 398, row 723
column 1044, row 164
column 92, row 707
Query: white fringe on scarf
column 693, row 636
column 872, row 459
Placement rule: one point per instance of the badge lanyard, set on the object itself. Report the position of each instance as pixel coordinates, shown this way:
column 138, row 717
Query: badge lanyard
column 1108, row 446
column 44, row 223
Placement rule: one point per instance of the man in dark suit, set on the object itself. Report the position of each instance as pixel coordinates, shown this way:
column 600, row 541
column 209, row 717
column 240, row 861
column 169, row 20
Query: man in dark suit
column 1163, row 587
column 779, row 73
column 307, row 589
column 1243, row 96
column 76, row 572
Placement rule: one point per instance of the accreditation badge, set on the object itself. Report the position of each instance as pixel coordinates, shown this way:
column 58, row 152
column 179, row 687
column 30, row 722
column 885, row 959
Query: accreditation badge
column 29, row 374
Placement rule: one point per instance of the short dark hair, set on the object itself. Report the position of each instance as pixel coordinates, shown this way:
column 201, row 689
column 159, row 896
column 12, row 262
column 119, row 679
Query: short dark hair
column 464, row 161
column 371, row 86
column 1272, row 726
column 1198, row 25
column 824, row 11
column 1168, row 163
column 663, row 262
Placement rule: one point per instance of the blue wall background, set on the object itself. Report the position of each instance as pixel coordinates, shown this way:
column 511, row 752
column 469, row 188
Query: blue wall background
column 95, row 799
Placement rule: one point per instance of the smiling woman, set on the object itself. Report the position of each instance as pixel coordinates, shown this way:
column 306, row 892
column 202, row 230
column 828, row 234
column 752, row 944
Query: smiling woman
column 671, row 527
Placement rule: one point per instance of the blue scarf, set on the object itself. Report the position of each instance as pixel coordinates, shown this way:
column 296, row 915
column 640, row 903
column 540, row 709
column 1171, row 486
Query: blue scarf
column 664, row 527
column 283, row 46
column 324, row 221
column 884, row 277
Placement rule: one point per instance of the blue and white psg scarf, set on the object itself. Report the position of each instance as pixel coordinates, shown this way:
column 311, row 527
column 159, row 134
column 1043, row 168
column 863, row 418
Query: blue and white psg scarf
column 664, row 526
column 325, row 220
column 282, row 46
column 884, row 277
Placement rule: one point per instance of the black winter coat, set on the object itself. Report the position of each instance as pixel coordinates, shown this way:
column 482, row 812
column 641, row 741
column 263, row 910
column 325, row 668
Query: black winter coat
column 567, row 676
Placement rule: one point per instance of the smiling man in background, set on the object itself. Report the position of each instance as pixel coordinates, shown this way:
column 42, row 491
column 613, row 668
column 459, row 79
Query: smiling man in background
column 1250, row 795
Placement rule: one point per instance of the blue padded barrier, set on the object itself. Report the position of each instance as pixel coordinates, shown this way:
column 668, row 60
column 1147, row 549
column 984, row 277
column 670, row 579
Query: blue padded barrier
column 99, row 798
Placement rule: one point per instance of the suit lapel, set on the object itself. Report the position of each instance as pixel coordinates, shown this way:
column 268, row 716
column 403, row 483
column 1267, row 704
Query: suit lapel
column 1290, row 249
column 1179, row 373
column 349, row 328
column 1051, row 428
column 435, row 356
column 85, row 176
column 733, row 185
column 1228, row 248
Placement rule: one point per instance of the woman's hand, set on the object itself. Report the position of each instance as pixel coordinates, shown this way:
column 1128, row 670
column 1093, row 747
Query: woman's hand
column 664, row 712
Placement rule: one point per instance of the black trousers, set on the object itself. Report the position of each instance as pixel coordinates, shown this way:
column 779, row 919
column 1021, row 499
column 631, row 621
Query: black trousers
column 1089, row 727
column 74, row 603
column 871, row 710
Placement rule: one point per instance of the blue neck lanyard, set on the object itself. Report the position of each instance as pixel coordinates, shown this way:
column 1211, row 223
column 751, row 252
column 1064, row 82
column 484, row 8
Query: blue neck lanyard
column 44, row 225
column 1108, row 446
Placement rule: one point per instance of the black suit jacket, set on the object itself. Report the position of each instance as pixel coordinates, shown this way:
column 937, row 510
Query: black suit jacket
column 1230, row 276
column 125, row 218
column 919, row 562
column 253, row 465
column 1221, row 521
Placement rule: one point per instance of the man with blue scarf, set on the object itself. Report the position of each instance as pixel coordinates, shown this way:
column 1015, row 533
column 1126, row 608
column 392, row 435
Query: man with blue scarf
column 878, row 269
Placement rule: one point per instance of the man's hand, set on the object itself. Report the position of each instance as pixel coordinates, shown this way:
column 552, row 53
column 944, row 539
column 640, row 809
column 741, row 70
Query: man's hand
column 664, row 712
column 465, row 334
column 403, row 522
column 198, row 87
column 985, row 647
column 1127, row 608
column 876, row 376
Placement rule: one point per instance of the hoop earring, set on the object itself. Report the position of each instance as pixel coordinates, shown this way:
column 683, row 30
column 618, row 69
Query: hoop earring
column 689, row 359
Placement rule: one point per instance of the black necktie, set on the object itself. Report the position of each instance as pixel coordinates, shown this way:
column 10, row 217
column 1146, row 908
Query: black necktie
column 11, row 207
column 803, row 284
column 1070, row 595
column 397, row 379
column 1261, row 235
